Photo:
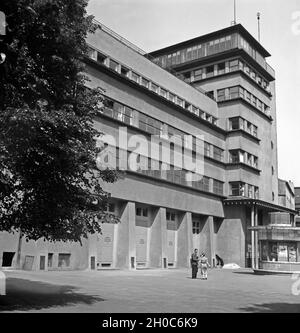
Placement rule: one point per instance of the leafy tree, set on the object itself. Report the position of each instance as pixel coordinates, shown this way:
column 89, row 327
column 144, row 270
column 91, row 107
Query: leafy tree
column 49, row 183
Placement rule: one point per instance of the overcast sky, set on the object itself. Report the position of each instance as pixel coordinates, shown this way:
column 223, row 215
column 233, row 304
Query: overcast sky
column 153, row 24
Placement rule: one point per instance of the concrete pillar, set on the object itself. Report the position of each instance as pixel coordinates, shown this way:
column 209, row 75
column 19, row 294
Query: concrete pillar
column 212, row 248
column 158, row 239
column 256, row 238
column 126, row 248
column 184, row 240
column 252, row 238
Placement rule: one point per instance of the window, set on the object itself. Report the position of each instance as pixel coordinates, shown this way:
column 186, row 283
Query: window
column 113, row 65
column 135, row 77
column 64, row 260
column 272, row 145
column 209, row 71
column 154, row 87
column 163, row 92
column 206, row 149
column 247, row 96
column 250, row 191
column 233, row 92
column 255, row 162
column 218, row 187
column 145, row 212
column 7, row 258
column 50, row 260
column 195, row 110
column 221, row 68
column 170, row 216
column 92, row 53
column 124, row 71
column 234, row 123
column 172, row 97
column 234, row 156
column 101, row 58
column 179, row 101
column 237, row 189
column 249, row 127
column 217, row 153
column 145, row 82
column 221, row 95
column 279, row 251
column 196, row 227
column 138, row 211
column 254, row 131
column 233, row 65
column 198, row 74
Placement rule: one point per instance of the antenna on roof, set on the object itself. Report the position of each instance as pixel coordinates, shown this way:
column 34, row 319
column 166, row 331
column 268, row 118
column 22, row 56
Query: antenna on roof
column 258, row 25
column 234, row 13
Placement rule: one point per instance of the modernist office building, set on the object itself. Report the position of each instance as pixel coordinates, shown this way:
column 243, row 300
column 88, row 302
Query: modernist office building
column 218, row 86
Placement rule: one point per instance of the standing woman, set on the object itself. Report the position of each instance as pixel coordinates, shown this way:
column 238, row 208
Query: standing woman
column 203, row 266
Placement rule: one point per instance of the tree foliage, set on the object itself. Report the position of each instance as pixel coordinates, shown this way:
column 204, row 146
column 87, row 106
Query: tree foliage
column 49, row 184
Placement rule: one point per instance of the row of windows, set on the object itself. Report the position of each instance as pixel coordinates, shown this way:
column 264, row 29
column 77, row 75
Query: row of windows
column 240, row 189
column 225, row 67
column 128, row 73
column 155, row 169
column 240, row 156
column 239, row 123
column 252, row 52
column 135, row 118
column 197, row 51
column 279, row 251
column 239, row 92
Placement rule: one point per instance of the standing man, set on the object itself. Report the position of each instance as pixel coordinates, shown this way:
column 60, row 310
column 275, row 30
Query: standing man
column 194, row 264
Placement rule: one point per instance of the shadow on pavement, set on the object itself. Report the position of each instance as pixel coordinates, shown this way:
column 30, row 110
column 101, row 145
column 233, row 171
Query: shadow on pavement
column 245, row 273
column 22, row 295
column 273, row 308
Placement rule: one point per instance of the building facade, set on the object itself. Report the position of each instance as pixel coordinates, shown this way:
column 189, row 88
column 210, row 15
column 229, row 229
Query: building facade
column 218, row 87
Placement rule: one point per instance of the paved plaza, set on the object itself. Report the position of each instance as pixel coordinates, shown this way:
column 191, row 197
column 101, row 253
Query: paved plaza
column 172, row 290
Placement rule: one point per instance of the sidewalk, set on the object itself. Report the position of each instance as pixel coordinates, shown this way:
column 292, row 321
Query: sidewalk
column 149, row 291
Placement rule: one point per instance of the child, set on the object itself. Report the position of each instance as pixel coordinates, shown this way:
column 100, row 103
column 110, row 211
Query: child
column 203, row 266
